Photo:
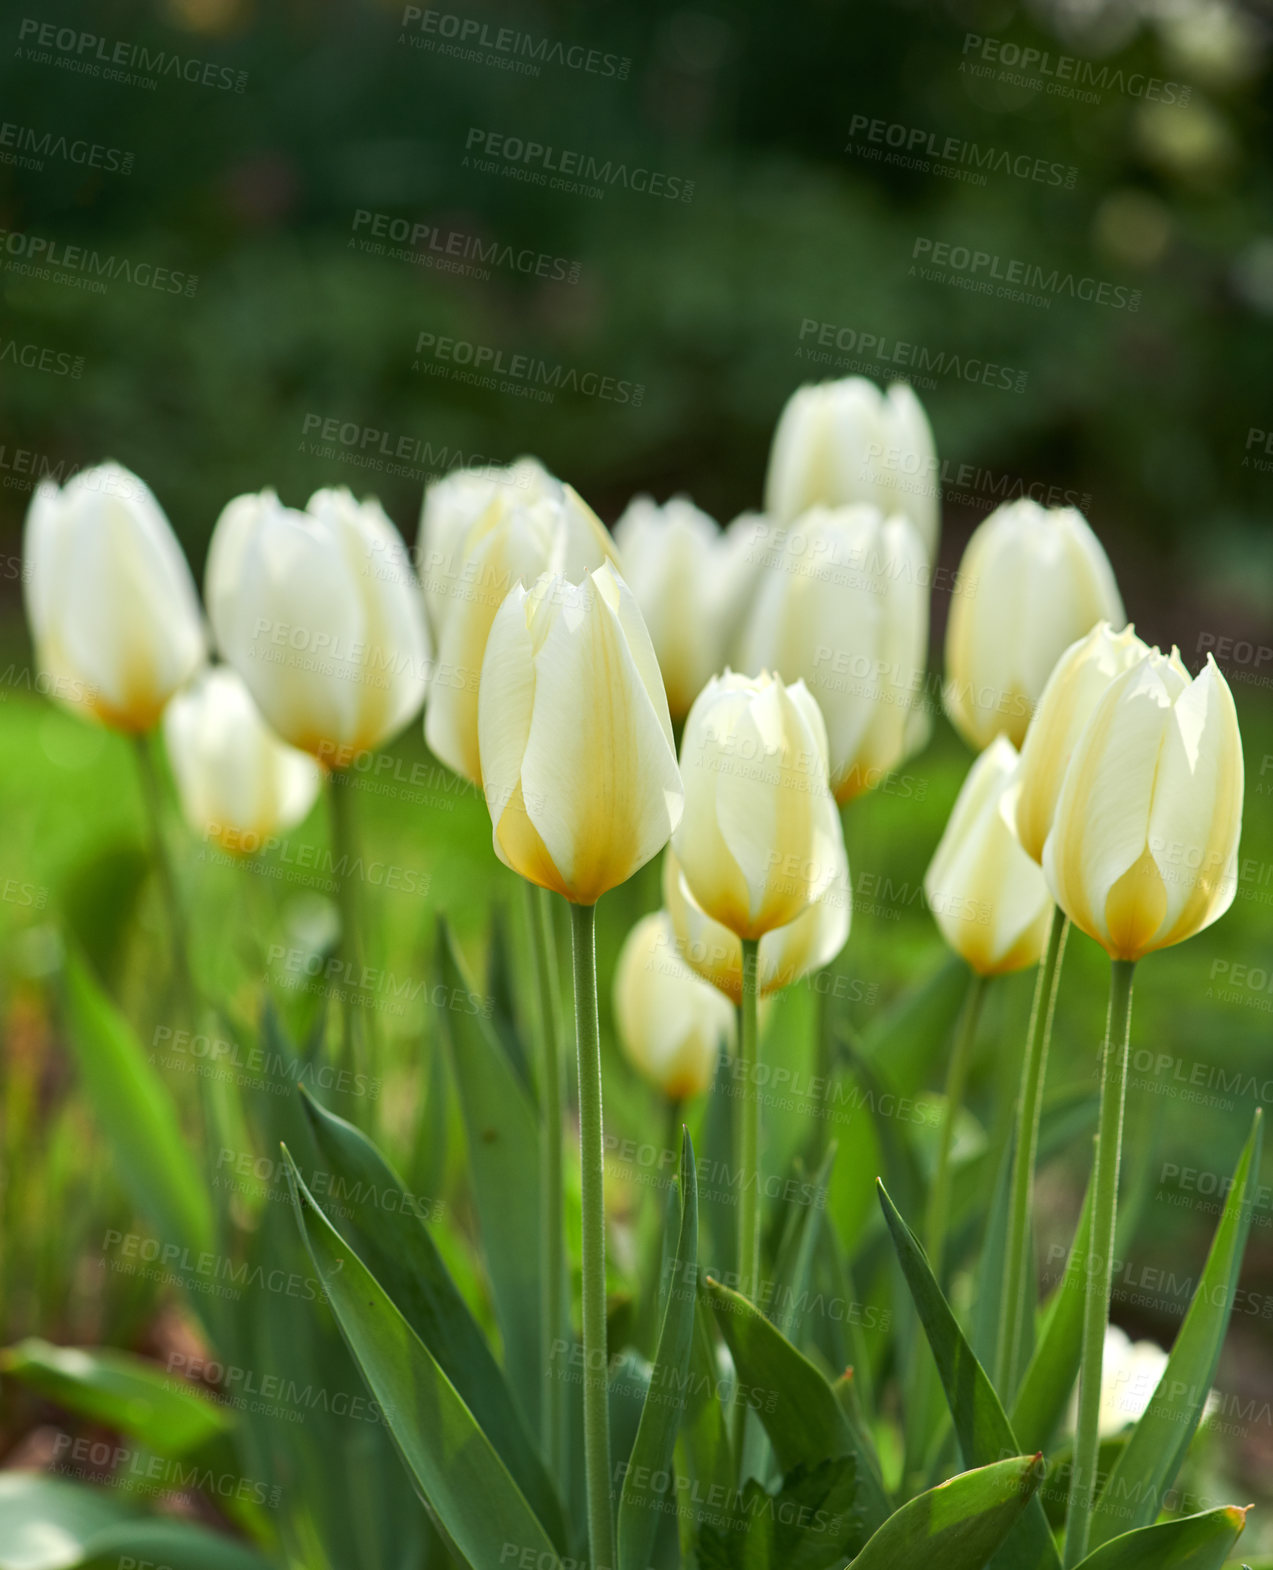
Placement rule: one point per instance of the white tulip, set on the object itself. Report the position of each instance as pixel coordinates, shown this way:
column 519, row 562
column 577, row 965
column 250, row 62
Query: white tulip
column 1032, row 580
column 987, row 896
column 688, row 578
column 113, row 608
column 320, row 614
column 1130, row 1373
column 757, row 842
column 844, row 606
column 845, row 441
column 237, row 782
column 512, row 542
column 672, row 1024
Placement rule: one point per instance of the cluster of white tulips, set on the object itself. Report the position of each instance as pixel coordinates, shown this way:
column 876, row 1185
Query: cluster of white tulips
column 553, row 661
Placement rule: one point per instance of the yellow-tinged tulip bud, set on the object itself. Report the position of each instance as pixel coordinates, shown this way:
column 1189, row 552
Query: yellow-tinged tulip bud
column 237, row 782
column 683, row 571
column 787, row 953
column 320, row 613
column 1031, row 581
column 845, row 441
column 757, row 843
column 113, row 609
column 578, row 765
column 844, row 607
column 1144, row 844
column 987, row 896
column 672, row 1024
column 512, row 542
column 1076, row 684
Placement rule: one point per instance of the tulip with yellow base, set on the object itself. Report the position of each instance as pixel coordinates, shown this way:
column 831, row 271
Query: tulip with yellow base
column 1141, row 855
column 581, row 781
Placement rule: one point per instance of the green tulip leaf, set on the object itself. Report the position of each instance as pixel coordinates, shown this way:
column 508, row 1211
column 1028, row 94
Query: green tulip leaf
column 1198, row 1542
column 1148, row 1466
column 387, row 1231
column 980, row 1421
column 655, row 1442
column 149, row 1150
column 455, row 1467
column 503, row 1141
column 811, row 1523
column 959, row 1524
column 162, row 1411
column 794, row 1402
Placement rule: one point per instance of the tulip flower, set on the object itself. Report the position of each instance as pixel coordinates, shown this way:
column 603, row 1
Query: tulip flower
column 672, row 1024
column 676, row 561
column 1144, row 844
column 237, row 782
column 113, row 608
column 844, row 441
column 576, row 742
column 514, row 540
column 580, row 777
column 786, row 954
column 987, row 896
column 1078, row 680
column 1031, row 581
column 1130, row 1372
column 1141, row 855
column 757, row 846
column 320, row 613
column 844, row 606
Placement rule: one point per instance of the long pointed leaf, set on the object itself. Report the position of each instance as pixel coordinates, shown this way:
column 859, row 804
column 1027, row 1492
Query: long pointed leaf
column 957, row 1525
column 1198, row 1542
column 980, row 1421
column 456, row 1469
column 1147, row 1468
column 652, row 1451
column 792, row 1399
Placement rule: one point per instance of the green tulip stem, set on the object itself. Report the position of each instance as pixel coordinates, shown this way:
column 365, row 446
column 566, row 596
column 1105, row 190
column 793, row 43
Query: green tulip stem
column 1024, row 1154
column 552, row 1244
column 749, row 1136
column 596, row 1413
column 956, row 1086
column 1099, row 1265
column 355, row 1033
column 178, row 929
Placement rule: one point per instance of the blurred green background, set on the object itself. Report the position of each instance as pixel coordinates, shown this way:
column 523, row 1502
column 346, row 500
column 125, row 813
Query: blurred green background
column 265, row 198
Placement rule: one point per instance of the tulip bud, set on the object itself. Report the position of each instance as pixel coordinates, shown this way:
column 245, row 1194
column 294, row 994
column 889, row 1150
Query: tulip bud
column 320, row 614
column 1075, row 686
column 787, row 953
column 672, row 1025
column 113, row 609
column 842, row 442
column 578, row 764
column 512, row 542
column 987, row 896
column 757, row 843
column 844, row 606
column 1144, row 844
column 237, row 782
column 1031, row 581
